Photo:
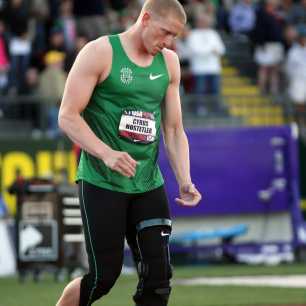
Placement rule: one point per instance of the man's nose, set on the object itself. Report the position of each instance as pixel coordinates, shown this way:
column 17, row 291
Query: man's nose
column 168, row 41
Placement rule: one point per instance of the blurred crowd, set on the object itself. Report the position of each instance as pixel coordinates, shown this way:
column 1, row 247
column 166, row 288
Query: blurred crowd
column 39, row 40
column 277, row 32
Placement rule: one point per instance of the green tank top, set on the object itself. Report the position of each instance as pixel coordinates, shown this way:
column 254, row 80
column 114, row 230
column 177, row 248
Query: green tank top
column 125, row 112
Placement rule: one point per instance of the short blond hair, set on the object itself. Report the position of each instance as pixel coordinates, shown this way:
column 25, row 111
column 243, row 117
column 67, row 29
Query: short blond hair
column 164, row 8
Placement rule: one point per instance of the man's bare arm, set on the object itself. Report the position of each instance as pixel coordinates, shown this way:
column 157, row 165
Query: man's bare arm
column 175, row 139
column 85, row 74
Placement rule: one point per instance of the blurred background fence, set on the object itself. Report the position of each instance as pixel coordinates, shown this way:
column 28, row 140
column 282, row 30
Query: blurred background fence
column 29, row 115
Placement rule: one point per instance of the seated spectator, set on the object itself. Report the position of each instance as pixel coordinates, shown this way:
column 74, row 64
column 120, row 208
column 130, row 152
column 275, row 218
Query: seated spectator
column 296, row 74
column 51, row 87
column 242, row 17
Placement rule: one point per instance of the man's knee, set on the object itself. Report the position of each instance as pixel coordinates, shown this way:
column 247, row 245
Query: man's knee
column 154, row 269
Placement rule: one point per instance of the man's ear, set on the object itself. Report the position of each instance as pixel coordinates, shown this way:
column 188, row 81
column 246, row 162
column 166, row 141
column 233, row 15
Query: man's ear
column 145, row 19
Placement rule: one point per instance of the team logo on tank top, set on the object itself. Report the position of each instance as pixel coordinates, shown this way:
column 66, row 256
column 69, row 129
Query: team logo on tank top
column 126, row 75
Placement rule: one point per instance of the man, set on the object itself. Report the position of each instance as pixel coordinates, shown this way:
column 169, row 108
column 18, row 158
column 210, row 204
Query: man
column 124, row 86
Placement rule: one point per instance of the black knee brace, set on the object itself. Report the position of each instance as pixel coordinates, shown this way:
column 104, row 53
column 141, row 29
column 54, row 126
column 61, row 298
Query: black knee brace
column 154, row 269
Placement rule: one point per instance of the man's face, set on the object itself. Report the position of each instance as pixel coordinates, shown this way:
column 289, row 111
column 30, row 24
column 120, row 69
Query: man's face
column 159, row 33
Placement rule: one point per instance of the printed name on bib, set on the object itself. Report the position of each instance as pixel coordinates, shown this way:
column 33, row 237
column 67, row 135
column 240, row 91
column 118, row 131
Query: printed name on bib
column 137, row 126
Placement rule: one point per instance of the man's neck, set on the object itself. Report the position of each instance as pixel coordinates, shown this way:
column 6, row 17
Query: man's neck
column 132, row 41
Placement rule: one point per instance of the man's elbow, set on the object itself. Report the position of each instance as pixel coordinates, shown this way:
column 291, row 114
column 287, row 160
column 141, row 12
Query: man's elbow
column 63, row 120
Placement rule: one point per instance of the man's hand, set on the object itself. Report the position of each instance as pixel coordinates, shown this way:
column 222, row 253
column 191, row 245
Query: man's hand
column 121, row 162
column 189, row 195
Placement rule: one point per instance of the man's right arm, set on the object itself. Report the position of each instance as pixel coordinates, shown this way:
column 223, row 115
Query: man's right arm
column 87, row 71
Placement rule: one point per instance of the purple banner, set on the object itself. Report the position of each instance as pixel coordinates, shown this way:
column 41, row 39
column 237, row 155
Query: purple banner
column 237, row 170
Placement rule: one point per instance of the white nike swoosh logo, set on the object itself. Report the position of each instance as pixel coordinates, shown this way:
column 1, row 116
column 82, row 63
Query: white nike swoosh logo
column 164, row 234
column 154, row 77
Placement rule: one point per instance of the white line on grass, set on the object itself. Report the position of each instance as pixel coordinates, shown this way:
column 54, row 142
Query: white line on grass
column 292, row 281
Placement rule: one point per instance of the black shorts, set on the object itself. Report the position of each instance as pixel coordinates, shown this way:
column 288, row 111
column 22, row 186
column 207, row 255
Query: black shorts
column 109, row 217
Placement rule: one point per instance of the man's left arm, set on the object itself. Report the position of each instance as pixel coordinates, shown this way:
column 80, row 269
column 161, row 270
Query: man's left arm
column 175, row 139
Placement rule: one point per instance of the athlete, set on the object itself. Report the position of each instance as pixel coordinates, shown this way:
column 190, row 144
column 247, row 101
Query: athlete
column 120, row 93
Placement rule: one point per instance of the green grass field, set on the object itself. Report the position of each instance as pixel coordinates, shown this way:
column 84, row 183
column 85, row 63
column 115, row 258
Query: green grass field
column 46, row 292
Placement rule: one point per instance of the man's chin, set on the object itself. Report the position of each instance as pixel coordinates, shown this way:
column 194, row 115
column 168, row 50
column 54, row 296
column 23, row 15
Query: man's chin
column 155, row 51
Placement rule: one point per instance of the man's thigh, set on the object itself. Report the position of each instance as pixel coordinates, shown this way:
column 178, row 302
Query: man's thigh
column 147, row 210
column 104, row 217
column 149, row 205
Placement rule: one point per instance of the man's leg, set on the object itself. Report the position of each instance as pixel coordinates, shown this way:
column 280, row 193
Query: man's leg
column 148, row 237
column 104, row 216
column 71, row 294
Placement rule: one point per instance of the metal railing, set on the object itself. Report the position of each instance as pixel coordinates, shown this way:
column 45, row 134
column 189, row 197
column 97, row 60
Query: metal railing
column 26, row 115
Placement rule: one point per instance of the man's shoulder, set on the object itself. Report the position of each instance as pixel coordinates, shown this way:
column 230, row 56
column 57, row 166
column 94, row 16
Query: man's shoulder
column 100, row 46
column 96, row 54
column 172, row 62
column 169, row 55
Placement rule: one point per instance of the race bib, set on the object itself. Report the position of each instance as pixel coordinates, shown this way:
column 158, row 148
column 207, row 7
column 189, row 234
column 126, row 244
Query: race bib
column 137, row 126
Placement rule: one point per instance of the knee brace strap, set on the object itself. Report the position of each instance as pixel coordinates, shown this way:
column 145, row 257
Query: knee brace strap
column 153, row 222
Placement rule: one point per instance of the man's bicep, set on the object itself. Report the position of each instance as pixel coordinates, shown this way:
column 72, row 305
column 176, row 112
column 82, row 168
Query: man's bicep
column 171, row 111
column 172, row 115
column 81, row 81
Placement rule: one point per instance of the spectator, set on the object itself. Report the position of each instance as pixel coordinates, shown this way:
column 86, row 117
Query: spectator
column 269, row 51
column 206, row 48
column 20, row 47
column 57, row 39
column 67, row 23
column 296, row 74
column 242, row 17
column 51, row 87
